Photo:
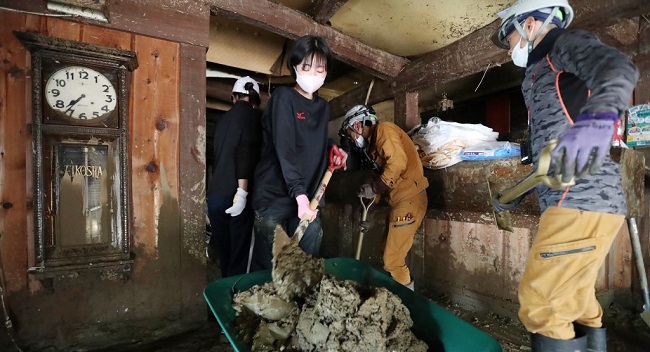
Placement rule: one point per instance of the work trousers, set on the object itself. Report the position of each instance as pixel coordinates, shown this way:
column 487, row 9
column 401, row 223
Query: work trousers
column 404, row 220
column 266, row 219
column 232, row 235
column 558, row 285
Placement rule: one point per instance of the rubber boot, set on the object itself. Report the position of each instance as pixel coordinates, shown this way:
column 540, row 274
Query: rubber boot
column 541, row 343
column 596, row 337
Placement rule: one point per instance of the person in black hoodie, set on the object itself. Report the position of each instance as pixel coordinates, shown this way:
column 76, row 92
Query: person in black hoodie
column 236, row 151
column 294, row 153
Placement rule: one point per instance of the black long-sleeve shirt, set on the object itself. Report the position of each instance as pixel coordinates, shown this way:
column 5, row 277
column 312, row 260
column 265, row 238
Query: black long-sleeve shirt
column 294, row 149
column 236, row 148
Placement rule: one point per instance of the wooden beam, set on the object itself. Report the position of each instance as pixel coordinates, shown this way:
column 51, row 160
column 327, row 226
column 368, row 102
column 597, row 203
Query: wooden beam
column 461, row 58
column 98, row 5
column 322, row 10
column 642, row 60
column 597, row 14
column 190, row 20
column 474, row 52
column 381, row 91
column 407, row 115
column 292, row 24
column 218, row 90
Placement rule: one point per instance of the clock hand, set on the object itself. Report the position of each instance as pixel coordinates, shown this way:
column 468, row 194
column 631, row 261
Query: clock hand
column 73, row 102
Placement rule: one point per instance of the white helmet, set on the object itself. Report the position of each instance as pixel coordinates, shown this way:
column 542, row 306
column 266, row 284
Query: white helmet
column 240, row 85
column 539, row 9
column 361, row 113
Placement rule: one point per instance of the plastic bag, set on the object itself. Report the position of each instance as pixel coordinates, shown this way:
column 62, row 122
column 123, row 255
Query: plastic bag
column 490, row 151
column 440, row 142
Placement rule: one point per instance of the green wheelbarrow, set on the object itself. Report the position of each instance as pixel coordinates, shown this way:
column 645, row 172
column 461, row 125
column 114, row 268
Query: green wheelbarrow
column 440, row 329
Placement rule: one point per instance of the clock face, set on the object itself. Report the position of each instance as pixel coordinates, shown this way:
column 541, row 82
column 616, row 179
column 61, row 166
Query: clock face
column 80, row 93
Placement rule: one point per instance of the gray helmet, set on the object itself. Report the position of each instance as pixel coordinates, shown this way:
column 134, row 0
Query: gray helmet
column 539, row 9
column 363, row 113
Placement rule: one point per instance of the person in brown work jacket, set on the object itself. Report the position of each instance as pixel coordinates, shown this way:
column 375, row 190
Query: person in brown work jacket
column 400, row 177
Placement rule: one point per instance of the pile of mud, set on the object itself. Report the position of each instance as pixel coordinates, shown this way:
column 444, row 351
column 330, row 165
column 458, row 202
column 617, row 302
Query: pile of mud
column 332, row 315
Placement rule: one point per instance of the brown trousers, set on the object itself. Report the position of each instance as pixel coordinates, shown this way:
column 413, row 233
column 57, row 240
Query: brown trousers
column 404, row 220
column 557, row 287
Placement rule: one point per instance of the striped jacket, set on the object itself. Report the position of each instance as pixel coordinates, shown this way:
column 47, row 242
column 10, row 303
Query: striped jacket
column 569, row 72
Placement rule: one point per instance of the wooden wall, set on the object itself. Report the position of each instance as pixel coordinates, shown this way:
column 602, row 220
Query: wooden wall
column 166, row 143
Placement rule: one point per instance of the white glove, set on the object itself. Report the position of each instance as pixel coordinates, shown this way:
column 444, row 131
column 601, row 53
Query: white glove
column 238, row 203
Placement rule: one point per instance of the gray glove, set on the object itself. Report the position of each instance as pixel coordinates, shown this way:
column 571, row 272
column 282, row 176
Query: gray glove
column 365, row 225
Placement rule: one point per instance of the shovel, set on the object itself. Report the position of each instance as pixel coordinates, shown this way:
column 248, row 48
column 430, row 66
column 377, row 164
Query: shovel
column 636, row 247
column 290, row 280
column 364, row 217
column 320, row 191
column 540, row 175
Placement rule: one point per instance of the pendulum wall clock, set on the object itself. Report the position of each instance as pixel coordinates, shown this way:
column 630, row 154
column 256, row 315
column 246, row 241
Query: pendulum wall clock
column 80, row 149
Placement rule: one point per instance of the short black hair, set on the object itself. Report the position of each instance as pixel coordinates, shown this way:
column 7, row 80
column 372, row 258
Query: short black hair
column 305, row 46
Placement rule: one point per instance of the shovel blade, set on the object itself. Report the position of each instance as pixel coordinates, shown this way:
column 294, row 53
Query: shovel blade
column 503, row 220
column 280, row 240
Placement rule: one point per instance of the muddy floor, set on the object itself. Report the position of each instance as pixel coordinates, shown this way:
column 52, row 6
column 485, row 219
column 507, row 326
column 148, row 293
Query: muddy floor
column 626, row 331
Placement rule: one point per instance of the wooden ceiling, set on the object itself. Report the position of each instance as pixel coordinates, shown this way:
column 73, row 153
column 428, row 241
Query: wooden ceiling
column 406, row 45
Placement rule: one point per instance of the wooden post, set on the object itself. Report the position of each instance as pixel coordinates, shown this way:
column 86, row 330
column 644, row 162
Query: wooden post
column 642, row 95
column 192, row 138
column 407, row 115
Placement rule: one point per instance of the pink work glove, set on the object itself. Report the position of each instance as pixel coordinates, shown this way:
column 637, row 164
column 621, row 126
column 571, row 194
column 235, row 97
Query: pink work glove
column 303, row 208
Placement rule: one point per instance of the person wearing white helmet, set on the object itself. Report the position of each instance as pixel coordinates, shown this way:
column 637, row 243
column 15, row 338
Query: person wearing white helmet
column 576, row 88
column 399, row 175
column 236, row 152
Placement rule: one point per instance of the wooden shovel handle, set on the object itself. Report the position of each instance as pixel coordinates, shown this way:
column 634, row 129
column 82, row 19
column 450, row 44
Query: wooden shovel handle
column 313, row 205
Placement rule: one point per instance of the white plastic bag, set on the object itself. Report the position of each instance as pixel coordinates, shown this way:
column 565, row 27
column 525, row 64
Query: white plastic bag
column 440, row 142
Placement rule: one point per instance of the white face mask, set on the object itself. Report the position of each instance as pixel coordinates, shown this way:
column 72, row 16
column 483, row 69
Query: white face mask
column 519, row 55
column 309, row 83
column 360, row 141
